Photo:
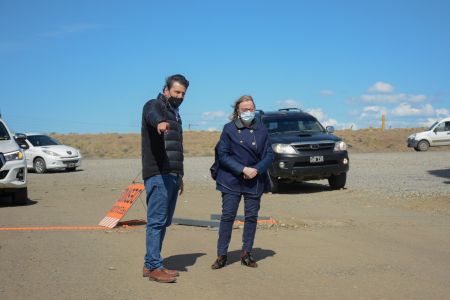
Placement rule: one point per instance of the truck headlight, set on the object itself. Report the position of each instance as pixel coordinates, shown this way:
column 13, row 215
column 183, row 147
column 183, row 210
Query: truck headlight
column 283, row 149
column 340, row 146
column 50, row 153
column 412, row 136
column 15, row 155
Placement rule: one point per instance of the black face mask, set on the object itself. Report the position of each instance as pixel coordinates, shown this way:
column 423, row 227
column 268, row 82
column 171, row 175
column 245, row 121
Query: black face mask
column 175, row 102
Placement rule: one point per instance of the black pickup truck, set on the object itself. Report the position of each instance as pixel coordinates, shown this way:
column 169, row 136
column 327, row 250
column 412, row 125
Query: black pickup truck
column 304, row 150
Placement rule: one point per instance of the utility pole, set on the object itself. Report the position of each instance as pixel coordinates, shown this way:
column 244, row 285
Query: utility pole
column 190, row 125
column 383, row 120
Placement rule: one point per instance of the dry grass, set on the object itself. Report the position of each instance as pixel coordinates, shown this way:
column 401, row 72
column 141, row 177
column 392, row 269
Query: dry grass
column 201, row 143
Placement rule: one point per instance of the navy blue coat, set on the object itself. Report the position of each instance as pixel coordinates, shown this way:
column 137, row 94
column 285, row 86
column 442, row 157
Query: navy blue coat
column 240, row 147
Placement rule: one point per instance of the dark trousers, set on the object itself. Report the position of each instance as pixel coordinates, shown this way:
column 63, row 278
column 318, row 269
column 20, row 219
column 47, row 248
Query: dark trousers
column 230, row 205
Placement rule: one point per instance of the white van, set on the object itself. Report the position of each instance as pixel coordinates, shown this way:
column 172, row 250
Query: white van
column 437, row 135
column 13, row 167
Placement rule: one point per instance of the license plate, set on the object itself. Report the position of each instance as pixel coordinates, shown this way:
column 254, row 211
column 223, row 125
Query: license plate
column 70, row 165
column 315, row 159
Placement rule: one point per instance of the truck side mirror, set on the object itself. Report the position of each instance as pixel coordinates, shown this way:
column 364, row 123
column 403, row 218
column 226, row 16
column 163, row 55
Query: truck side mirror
column 20, row 137
column 330, row 129
column 20, row 140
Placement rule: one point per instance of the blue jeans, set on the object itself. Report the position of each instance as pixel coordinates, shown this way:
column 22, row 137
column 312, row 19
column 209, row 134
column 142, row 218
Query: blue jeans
column 230, row 205
column 162, row 193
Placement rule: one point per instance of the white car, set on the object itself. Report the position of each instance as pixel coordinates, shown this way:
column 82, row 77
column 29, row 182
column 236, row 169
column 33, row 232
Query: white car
column 45, row 153
column 437, row 135
column 13, row 168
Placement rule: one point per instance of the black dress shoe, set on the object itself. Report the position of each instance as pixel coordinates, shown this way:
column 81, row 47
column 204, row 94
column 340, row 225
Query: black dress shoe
column 220, row 262
column 247, row 260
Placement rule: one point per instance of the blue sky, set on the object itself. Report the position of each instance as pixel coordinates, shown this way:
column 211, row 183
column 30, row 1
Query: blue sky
column 89, row 66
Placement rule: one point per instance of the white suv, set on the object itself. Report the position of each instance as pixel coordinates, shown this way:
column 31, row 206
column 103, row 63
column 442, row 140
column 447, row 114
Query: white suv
column 13, row 167
column 437, row 135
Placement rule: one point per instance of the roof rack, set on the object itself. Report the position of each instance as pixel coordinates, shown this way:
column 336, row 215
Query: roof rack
column 259, row 111
column 290, row 109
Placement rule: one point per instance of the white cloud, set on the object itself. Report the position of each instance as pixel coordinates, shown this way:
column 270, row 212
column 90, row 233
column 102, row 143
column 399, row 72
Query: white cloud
column 427, row 123
column 394, row 98
column 69, row 29
column 417, row 98
column 330, row 122
column 342, row 126
column 317, row 113
column 289, row 103
column 442, row 112
column 400, row 109
column 210, row 115
column 372, row 112
column 210, row 120
column 374, row 109
column 381, row 87
column 406, row 110
column 326, row 93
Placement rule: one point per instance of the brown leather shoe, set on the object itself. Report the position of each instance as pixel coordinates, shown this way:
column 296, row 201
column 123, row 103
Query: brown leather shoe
column 247, row 260
column 159, row 275
column 173, row 273
column 220, row 262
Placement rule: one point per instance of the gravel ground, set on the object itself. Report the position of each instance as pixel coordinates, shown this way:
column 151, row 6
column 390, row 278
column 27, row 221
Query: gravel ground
column 386, row 236
column 397, row 174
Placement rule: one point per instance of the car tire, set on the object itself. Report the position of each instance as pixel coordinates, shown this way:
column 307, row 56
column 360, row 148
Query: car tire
column 71, row 169
column 337, row 182
column 39, row 165
column 274, row 184
column 417, row 149
column 20, row 196
column 423, row 145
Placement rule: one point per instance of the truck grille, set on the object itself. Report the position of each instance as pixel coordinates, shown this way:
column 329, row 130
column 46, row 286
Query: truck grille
column 300, row 164
column 314, row 146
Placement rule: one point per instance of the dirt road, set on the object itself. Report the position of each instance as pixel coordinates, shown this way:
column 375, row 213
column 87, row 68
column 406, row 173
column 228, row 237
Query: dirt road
column 387, row 236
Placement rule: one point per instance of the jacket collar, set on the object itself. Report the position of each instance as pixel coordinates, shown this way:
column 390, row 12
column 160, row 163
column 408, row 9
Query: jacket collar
column 163, row 99
column 240, row 125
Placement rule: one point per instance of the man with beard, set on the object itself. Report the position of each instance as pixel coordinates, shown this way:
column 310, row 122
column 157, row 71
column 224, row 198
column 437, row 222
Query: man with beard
column 162, row 170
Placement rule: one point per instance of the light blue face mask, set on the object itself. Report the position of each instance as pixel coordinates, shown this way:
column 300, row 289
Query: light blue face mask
column 247, row 116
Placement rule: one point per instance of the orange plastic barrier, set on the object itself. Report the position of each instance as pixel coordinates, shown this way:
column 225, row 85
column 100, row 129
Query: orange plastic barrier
column 271, row 221
column 122, row 205
column 48, row 228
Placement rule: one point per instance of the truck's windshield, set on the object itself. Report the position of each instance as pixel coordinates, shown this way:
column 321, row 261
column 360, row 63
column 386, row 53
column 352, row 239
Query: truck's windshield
column 308, row 125
column 4, row 135
column 434, row 124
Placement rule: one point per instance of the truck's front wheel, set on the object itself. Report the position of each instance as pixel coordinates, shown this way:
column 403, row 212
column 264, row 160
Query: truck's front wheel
column 20, row 196
column 337, row 182
column 423, row 145
column 274, row 184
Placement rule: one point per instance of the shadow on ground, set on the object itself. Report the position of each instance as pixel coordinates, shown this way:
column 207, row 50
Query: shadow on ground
column 7, row 201
column 258, row 254
column 444, row 173
column 56, row 171
column 180, row 262
column 303, row 188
